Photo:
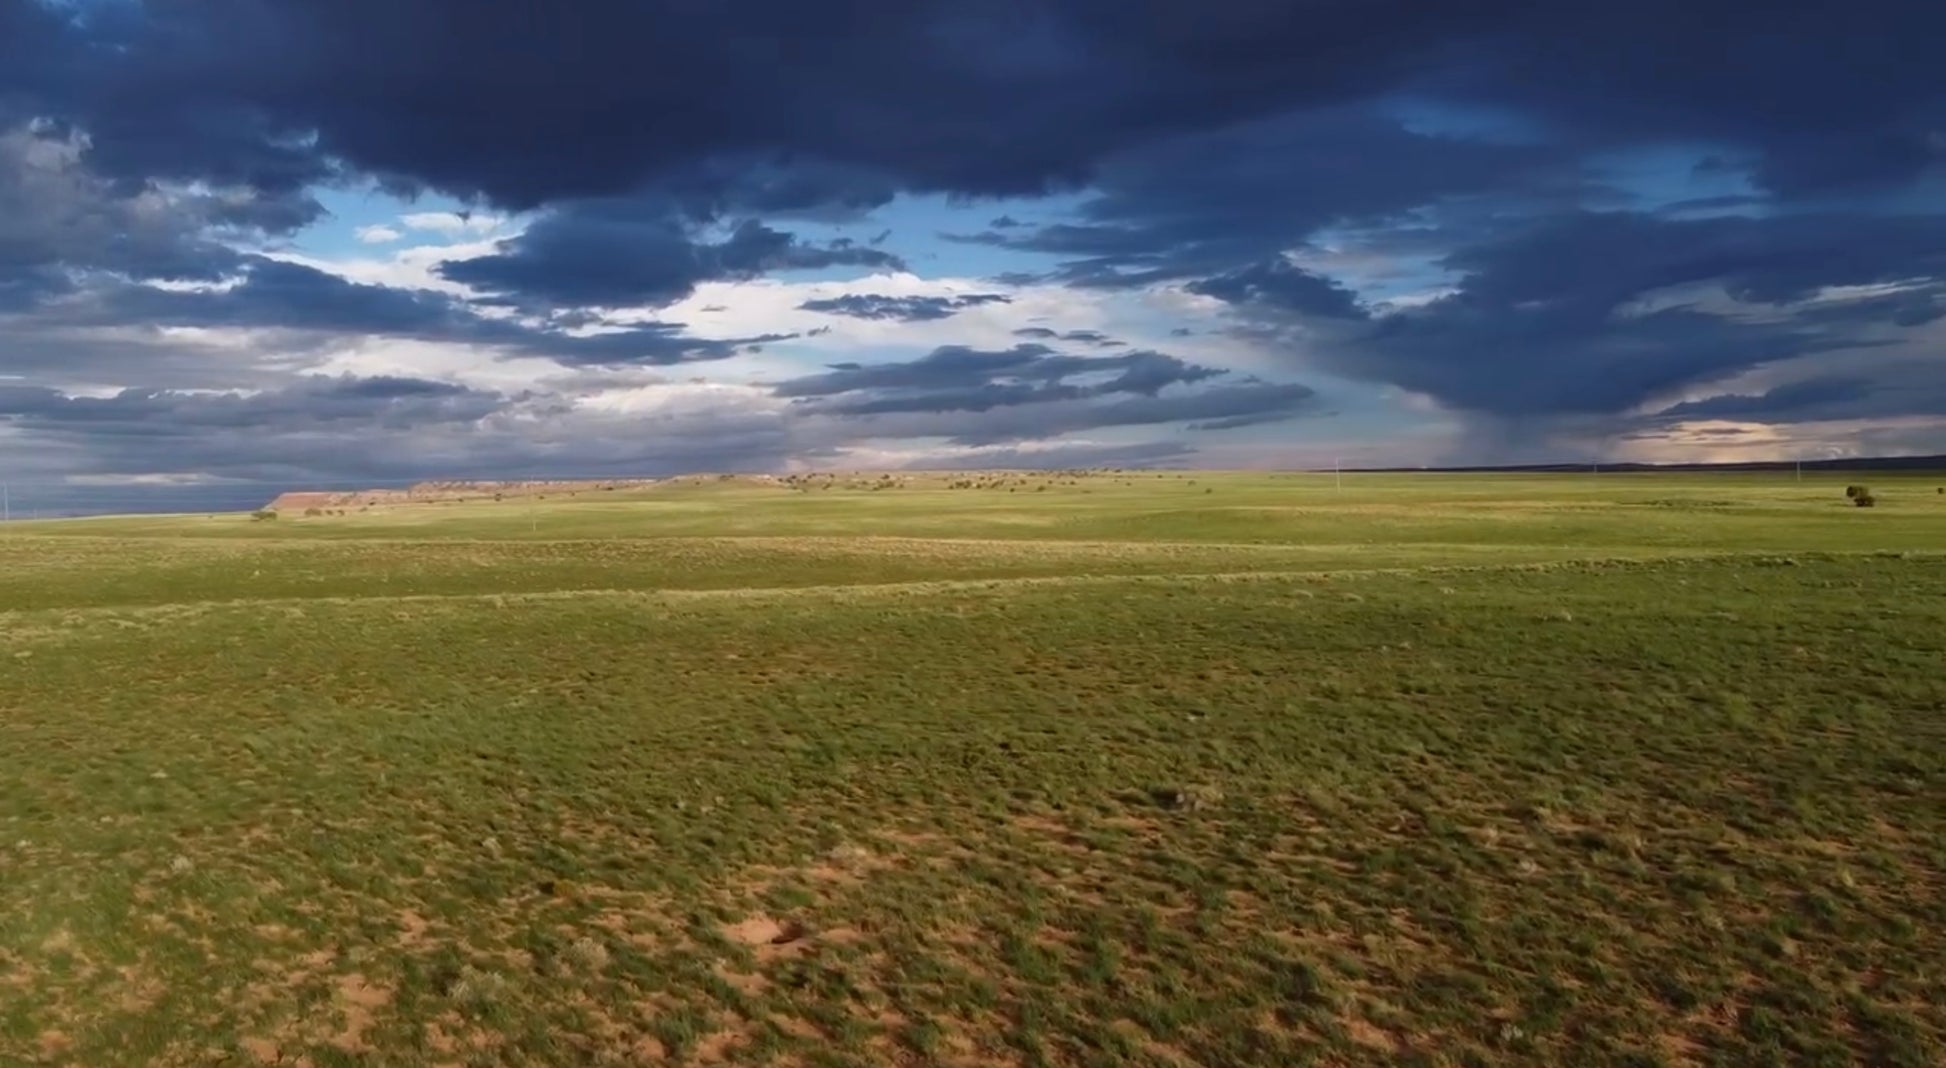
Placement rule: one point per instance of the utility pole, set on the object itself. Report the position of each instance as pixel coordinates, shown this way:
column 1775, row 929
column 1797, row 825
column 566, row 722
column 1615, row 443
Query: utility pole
column 1338, row 474
column 1800, row 470
column 6, row 504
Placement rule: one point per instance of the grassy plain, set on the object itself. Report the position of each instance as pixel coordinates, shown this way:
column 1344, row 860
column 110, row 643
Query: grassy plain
column 1117, row 769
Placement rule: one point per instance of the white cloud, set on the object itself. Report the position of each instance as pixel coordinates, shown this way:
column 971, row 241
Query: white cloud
column 771, row 306
column 1737, row 441
column 675, row 401
column 452, row 224
column 377, row 234
column 411, row 267
column 1843, row 294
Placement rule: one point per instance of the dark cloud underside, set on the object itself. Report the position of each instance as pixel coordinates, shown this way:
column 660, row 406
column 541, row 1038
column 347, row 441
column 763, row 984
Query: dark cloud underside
column 902, row 309
column 1528, row 213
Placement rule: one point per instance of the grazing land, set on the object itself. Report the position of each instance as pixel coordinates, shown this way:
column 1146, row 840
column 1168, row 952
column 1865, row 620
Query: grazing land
column 1107, row 769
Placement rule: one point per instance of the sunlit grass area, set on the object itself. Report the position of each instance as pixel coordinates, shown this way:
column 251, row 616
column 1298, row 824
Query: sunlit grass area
column 1107, row 769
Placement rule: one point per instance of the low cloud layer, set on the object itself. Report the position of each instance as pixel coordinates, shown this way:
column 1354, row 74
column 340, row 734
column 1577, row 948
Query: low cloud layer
column 901, row 309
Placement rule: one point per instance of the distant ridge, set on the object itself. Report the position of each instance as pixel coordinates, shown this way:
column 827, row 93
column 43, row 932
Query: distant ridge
column 461, row 490
column 300, row 500
column 1935, row 462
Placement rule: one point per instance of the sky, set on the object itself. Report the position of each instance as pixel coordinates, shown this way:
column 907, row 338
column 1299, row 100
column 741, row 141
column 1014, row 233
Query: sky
column 315, row 243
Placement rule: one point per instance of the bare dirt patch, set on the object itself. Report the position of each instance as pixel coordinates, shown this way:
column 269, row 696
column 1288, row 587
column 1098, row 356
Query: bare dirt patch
column 769, row 937
column 717, row 1047
column 1369, row 1035
column 746, row 983
column 438, row 1038
column 359, row 1000
column 140, row 991
column 412, row 928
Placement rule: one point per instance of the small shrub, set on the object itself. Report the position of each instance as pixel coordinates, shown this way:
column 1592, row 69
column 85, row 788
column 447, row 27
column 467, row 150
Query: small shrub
column 587, row 956
column 313, row 513
column 1186, row 798
column 1864, row 500
column 1855, row 492
column 478, row 990
column 262, row 514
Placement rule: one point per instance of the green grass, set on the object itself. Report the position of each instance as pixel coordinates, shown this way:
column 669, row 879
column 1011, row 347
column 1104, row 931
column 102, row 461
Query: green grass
column 1134, row 770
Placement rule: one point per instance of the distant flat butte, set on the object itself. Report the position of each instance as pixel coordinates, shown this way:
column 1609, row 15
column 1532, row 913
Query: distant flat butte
column 428, row 492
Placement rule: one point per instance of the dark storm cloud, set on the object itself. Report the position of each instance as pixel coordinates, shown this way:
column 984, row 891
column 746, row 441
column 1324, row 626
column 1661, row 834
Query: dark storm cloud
column 952, row 368
column 1797, row 398
column 57, row 217
column 798, row 187
column 1069, row 457
column 1018, row 278
column 1147, row 372
column 1205, row 202
column 991, row 100
column 826, row 109
column 1237, row 422
column 981, row 398
column 901, row 309
column 1603, row 258
column 629, row 253
column 1049, row 415
column 1824, row 99
column 1279, row 284
column 978, row 397
column 1092, row 337
column 1599, row 312
column 763, row 106
column 175, row 414
column 1488, row 358
column 274, row 294
column 1079, row 337
column 665, row 145
column 311, row 431
column 1891, row 387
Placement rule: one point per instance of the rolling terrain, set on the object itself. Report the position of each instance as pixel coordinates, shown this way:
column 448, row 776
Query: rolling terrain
column 991, row 769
